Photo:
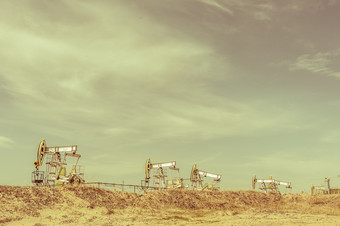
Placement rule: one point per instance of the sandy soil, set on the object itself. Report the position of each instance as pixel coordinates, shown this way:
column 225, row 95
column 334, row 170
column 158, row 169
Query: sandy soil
column 93, row 206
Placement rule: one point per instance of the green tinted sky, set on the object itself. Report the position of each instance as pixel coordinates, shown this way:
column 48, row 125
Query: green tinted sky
column 240, row 87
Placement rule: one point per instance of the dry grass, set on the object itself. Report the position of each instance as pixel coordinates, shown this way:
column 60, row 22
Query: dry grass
column 84, row 205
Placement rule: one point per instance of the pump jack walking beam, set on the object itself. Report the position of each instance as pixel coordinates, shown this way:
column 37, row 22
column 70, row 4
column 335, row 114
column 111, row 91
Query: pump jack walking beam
column 269, row 184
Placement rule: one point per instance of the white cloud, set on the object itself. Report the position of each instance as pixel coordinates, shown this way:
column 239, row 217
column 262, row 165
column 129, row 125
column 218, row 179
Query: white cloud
column 217, row 5
column 207, row 118
column 261, row 16
column 320, row 63
column 307, row 5
column 5, row 142
column 307, row 45
column 48, row 68
column 331, row 136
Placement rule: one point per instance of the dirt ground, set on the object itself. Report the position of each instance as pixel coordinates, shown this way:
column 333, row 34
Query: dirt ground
column 94, row 206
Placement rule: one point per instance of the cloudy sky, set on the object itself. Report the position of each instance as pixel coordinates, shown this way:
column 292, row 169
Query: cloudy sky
column 239, row 87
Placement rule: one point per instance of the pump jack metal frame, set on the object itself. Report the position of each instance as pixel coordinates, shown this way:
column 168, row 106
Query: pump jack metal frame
column 56, row 165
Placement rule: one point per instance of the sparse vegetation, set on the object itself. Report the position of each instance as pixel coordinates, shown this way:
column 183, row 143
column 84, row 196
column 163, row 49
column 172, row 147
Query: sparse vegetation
column 85, row 205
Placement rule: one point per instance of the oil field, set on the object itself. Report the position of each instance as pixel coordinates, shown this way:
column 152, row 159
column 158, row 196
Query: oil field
column 60, row 195
column 169, row 112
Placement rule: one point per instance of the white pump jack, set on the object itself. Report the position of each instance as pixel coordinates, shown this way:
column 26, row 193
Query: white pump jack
column 197, row 181
column 270, row 184
column 159, row 178
column 56, row 165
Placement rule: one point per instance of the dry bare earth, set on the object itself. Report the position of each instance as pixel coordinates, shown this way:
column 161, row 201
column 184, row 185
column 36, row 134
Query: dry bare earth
column 95, row 206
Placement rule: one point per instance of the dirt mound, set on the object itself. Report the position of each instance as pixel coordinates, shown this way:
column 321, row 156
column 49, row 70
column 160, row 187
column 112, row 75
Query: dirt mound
column 214, row 200
column 17, row 203
column 35, row 198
